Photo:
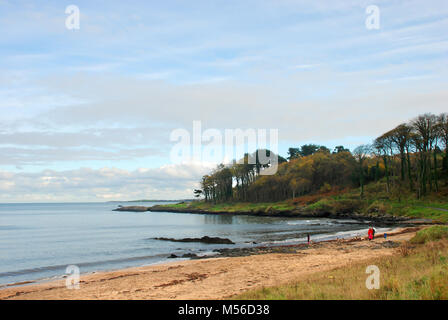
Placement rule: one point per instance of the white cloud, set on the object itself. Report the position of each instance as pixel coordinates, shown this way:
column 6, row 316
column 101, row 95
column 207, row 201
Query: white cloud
column 127, row 119
column 112, row 92
column 306, row 66
column 84, row 184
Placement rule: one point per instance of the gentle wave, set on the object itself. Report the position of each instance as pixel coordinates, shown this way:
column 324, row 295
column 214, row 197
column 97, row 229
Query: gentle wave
column 326, row 236
column 81, row 264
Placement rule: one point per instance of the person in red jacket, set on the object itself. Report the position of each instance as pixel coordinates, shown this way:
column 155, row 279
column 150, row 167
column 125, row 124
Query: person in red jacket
column 370, row 233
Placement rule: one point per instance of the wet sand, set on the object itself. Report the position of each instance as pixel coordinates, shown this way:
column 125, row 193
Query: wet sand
column 217, row 278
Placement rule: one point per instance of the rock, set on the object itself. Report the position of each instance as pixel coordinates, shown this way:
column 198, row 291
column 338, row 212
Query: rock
column 241, row 252
column 189, row 255
column 132, row 209
column 271, row 211
column 185, row 255
column 206, row 239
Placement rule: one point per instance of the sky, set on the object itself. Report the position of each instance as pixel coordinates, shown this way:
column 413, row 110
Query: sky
column 86, row 114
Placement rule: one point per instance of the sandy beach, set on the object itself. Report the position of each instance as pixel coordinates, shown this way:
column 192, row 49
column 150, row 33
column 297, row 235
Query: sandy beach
column 216, row 278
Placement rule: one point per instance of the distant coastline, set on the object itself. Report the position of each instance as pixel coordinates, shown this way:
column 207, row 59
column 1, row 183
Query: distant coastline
column 150, row 200
column 294, row 213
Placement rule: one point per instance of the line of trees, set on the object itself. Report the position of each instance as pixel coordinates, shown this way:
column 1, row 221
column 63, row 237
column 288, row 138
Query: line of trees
column 413, row 155
column 419, row 146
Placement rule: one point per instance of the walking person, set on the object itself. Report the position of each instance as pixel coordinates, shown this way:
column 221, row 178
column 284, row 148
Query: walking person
column 373, row 233
column 370, row 234
column 308, row 238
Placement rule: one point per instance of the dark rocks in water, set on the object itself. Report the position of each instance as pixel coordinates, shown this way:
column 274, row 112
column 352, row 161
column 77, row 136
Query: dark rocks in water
column 189, row 255
column 205, row 239
column 185, row 255
column 132, row 208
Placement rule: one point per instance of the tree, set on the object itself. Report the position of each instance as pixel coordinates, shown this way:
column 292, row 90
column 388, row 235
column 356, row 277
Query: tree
column 294, row 185
column 361, row 153
column 293, row 153
column 308, row 149
column 401, row 138
column 415, row 151
column 323, row 149
column 443, row 133
column 339, row 149
column 424, row 137
column 383, row 145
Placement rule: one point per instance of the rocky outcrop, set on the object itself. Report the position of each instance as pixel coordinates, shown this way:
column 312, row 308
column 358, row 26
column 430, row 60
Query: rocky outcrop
column 185, row 255
column 298, row 212
column 132, row 208
column 301, row 212
column 206, row 239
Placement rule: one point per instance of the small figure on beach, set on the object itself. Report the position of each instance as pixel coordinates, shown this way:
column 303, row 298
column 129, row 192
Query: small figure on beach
column 373, row 233
column 308, row 238
column 370, row 233
column 385, row 235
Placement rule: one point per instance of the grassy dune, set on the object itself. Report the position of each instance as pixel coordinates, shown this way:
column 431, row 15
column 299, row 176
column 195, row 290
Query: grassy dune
column 431, row 234
column 419, row 270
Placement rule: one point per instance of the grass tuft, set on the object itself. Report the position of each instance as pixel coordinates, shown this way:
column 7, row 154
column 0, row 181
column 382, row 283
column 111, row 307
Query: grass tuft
column 430, row 234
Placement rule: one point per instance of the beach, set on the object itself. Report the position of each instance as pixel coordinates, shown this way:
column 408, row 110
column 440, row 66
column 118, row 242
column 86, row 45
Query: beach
column 217, row 278
column 39, row 241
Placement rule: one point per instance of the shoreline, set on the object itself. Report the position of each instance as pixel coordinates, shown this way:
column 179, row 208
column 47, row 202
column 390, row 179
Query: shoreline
column 381, row 220
column 179, row 279
column 255, row 248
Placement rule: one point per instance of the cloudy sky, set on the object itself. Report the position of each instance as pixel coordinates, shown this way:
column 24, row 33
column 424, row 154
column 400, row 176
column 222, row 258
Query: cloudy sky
column 86, row 115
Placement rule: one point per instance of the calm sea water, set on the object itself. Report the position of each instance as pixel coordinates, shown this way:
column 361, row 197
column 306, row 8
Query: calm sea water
column 38, row 241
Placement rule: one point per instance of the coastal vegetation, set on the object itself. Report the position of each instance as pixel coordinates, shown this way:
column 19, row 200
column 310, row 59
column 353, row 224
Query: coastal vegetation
column 403, row 172
column 431, row 234
column 419, row 270
column 345, row 201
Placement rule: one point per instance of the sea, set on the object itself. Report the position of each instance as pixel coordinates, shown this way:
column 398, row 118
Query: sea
column 38, row 241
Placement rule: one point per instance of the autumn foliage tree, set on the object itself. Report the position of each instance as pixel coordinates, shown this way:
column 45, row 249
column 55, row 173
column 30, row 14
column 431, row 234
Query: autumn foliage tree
column 412, row 155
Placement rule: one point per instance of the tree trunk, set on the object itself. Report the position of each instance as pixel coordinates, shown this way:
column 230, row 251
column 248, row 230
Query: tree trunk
column 411, row 183
column 386, row 169
column 436, row 183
